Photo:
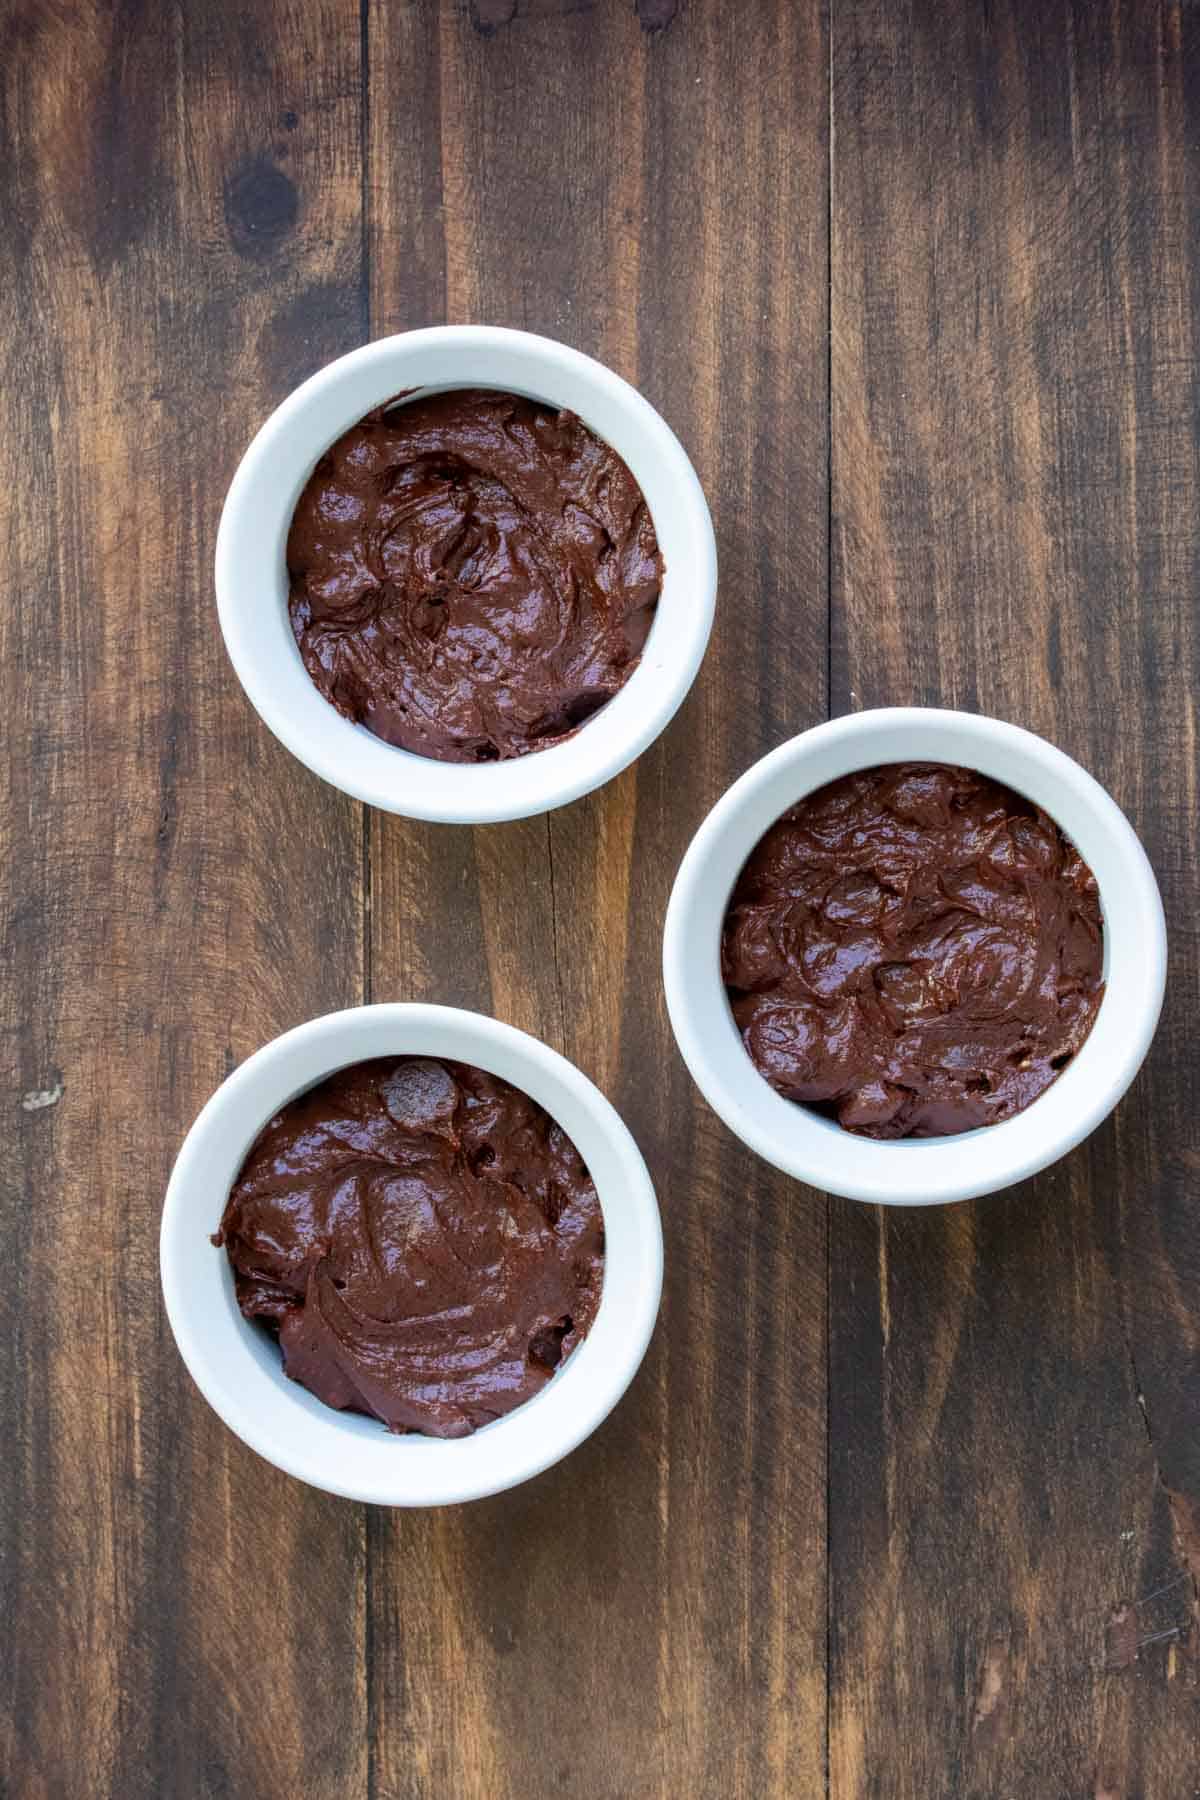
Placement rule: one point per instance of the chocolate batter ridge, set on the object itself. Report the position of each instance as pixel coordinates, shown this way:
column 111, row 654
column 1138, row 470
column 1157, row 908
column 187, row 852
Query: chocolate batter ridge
column 423, row 1238
column 915, row 950
column 472, row 576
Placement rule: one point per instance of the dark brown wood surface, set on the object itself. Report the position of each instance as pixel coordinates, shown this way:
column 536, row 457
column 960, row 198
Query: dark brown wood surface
column 902, row 1503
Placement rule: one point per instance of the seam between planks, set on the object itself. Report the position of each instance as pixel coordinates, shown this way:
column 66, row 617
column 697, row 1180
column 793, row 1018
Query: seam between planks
column 558, row 986
column 829, row 159
column 365, row 272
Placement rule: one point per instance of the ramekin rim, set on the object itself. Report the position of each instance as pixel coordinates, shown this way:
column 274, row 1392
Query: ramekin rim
column 784, row 1147
column 581, row 1406
column 396, row 780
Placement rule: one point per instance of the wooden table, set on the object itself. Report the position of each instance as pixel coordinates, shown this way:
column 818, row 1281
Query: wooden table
column 901, row 1504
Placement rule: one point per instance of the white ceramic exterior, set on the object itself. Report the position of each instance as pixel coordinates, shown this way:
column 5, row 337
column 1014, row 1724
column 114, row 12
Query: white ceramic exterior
column 251, row 574
column 238, row 1369
column 915, row 1172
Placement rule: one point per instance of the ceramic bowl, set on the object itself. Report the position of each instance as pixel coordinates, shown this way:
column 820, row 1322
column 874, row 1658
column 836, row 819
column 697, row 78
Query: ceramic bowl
column 237, row 1366
column 252, row 583
column 911, row 1171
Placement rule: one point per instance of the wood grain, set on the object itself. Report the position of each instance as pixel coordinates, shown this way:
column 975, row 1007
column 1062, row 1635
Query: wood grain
column 181, row 243
column 900, row 1505
column 1013, row 1386
column 596, row 1630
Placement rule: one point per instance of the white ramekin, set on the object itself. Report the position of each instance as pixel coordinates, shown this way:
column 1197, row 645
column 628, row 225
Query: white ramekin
column 237, row 1367
column 915, row 1172
column 252, row 587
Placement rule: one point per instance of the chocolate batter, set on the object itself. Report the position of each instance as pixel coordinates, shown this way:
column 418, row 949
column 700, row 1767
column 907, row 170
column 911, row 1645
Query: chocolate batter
column 472, row 575
column 424, row 1239
column 915, row 950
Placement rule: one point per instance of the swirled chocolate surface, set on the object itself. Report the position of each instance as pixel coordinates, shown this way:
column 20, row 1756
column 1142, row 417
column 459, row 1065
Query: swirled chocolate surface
column 472, row 575
column 914, row 950
column 424, row 1240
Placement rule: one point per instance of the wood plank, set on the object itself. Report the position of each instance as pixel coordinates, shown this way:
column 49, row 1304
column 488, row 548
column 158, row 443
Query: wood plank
column 1015, row 500
column 182, row 231
column 648, row 1618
